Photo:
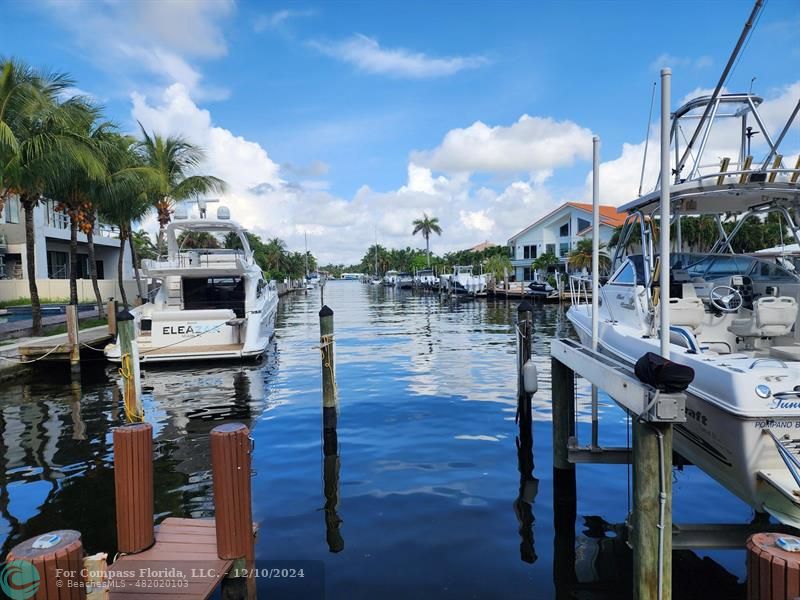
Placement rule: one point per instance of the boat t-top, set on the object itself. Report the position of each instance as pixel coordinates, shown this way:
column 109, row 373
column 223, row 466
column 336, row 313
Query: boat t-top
column 733, row 317
column 212, row 303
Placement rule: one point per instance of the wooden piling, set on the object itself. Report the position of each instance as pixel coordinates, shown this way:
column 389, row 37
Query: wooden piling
column 772, row 573
column 129, row 351
column 524, row 339
column 111, row 312
column 133, row 487
column 326, row 343
column 231, row 457
column 73, row 338
column 54, row 573
column 651, row 467
column 563, row 384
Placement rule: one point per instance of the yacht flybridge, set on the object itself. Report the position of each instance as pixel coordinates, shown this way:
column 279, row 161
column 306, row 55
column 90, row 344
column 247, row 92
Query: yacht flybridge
column 212, row 303
column 733, row 317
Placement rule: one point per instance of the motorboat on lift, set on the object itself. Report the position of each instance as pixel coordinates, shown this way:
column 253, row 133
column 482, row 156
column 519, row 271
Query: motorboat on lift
column 390, row 278
column 426, row 279
column 733, row 317
column 212, row 303
column 463, row 282
column 405, row 281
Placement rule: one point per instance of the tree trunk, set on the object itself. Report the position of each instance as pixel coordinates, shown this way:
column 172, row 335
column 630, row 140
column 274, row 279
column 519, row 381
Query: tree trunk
column 134, row 260
column 30, row 260
column 93, row 272
column 119, row 268
column 428, row 248
column 73, row 261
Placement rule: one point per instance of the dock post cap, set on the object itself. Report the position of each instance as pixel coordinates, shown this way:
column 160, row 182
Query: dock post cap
column 128, row 427
column 229, row 428
column 326, row 311
column 29, row 549
column 124, row 315
column 525, row 306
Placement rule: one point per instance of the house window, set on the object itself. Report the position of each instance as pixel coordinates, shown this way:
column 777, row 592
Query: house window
column 57, row 265
column 55, row 218
column 529, row 252
column 563, row 249
column 527, row 274
column 11, row 210
column 563, row 231
column 551, row 248
column 583, row 224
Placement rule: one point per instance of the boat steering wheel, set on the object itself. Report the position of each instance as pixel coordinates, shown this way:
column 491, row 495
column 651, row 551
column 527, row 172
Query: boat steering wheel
column 725, row 299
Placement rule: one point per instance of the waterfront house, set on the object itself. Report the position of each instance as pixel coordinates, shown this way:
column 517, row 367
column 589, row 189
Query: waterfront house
column 51, row 246
column 557, row 233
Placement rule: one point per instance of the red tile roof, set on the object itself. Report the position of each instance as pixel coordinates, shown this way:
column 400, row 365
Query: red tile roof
column 608, row 214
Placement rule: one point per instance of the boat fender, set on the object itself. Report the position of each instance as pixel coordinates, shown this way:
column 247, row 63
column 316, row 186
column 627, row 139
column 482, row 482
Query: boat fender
column 530, row 377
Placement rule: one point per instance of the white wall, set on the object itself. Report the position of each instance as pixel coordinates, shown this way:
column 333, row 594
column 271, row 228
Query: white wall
column 13, row 289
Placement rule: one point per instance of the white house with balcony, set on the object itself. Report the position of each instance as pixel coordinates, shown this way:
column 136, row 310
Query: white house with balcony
column 52, row 263
column 558, row 233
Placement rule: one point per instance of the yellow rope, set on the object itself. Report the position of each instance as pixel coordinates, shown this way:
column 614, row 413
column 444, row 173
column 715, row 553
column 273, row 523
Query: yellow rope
column 129, row 391
column 326, row 342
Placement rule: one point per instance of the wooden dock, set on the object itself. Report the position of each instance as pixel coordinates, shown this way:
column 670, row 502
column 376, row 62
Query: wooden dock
column 190, row 545
column 57, row 347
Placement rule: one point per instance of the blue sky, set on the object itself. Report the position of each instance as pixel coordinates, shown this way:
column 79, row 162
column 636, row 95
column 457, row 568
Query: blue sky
column 359, row 116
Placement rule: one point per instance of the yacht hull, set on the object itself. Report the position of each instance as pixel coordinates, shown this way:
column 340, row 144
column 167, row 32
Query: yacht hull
column 733, row 448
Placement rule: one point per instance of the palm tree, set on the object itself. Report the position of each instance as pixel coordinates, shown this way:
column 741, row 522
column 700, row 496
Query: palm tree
column 124, row 196
column 545, row 261
column 426, row 226
column 73, row 185
column 581, row 257
column 174, row 159
column 36, row 139
column 145, row 248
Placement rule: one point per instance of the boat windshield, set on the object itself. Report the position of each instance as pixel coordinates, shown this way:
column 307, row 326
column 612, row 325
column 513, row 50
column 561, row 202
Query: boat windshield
column 719, row 266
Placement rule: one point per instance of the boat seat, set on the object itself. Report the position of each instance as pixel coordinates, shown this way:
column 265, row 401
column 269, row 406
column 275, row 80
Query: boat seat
column 770, row 317
column 687, row 312
column 785, row 352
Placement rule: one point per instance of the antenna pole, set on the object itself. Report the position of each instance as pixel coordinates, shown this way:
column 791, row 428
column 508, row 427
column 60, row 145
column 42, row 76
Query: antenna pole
column 647, row 138
column 747, row 27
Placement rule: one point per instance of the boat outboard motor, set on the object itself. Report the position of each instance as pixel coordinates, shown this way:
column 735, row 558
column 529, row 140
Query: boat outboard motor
column 663, row 374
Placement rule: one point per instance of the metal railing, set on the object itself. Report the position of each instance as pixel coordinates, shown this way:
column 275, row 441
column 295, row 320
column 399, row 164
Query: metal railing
column 579, row 287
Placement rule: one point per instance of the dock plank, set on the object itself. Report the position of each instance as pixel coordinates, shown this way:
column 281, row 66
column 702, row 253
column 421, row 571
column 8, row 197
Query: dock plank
column 177, row 541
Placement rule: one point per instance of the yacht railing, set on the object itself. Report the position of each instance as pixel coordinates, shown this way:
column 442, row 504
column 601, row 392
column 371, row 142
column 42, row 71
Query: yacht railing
column 579, row 287
column 197, row 259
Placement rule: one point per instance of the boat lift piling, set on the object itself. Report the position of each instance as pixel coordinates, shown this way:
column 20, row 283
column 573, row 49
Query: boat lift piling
column 73, row 337
column 129, row 367
column 653, row 412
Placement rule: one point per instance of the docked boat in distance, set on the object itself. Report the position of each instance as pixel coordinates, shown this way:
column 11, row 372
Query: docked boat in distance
column 733, row 317
column 405, row 281
column 390, row 278
column 462, row 282
column 212, row 303
column 426, row 278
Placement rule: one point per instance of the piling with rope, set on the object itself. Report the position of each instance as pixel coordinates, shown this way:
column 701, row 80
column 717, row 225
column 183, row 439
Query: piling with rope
column 526, row 370
column 326, row 346
column 129, row 367
column 73, row 338
column 231, row 461
column 111, row 311
column 133, row 487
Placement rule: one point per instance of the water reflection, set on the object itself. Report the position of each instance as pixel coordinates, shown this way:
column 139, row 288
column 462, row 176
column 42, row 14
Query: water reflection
column 433, row 457
column 330, row 479
column 528, row 484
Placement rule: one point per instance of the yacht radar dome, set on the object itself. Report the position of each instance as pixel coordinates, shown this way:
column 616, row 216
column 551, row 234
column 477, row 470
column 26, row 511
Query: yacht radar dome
column 223, row 212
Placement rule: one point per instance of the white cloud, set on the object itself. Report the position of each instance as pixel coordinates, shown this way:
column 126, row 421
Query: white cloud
column 681, row 62
column 278, row 18
column 532, row 144
column 131, row 39
column 341, row 229
column 367, row 54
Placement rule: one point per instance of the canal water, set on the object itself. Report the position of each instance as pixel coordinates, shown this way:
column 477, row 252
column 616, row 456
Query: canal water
column 435, row 491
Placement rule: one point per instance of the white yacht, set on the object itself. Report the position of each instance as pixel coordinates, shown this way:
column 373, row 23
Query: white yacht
column 212, row 303
column 733, row 317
